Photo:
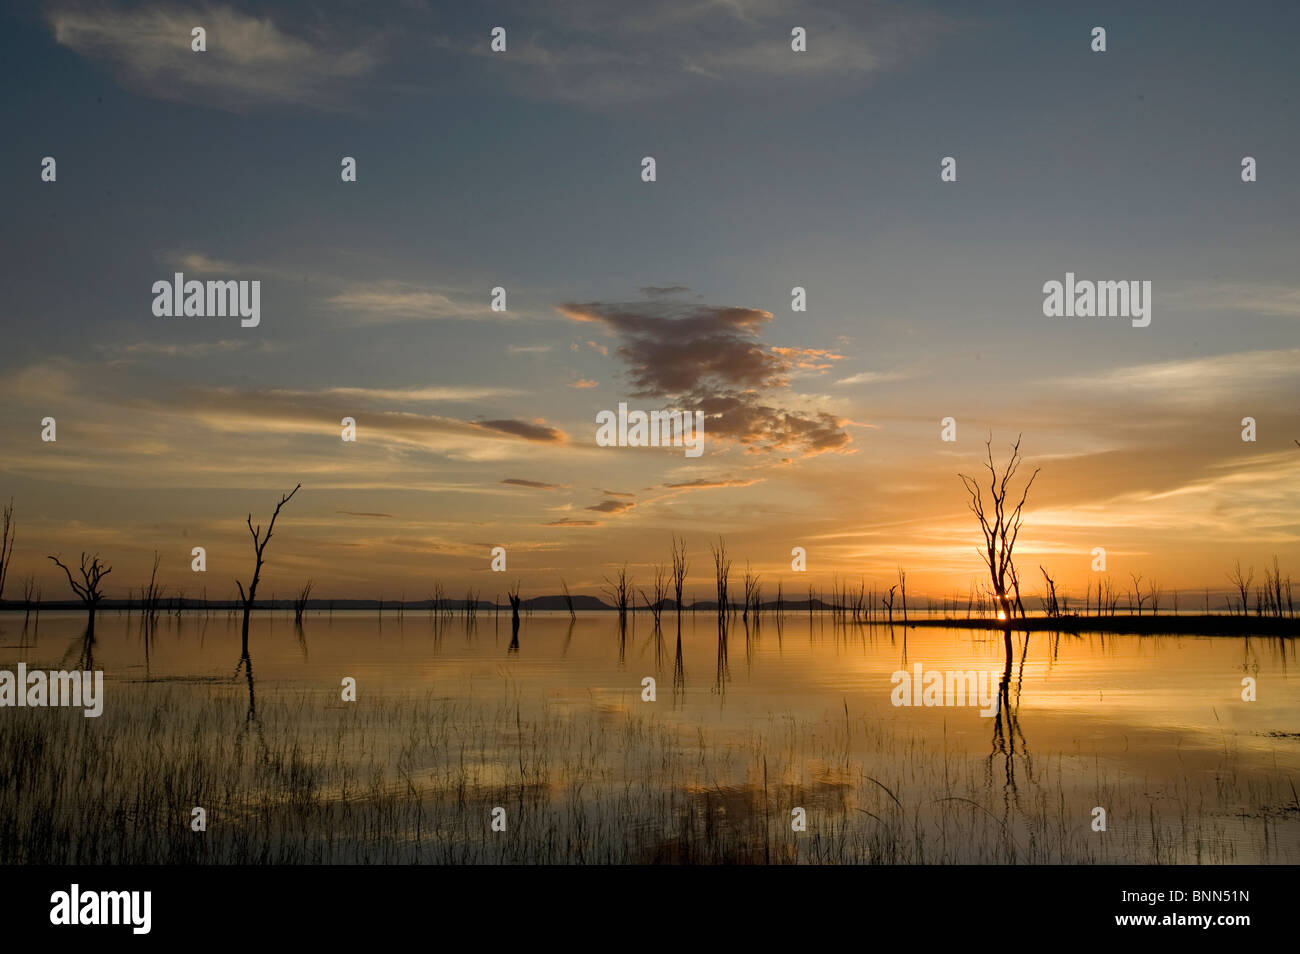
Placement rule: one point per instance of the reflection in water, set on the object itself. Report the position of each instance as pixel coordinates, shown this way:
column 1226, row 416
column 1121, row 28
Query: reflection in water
column 246, row 664
column 1006, row 722
column 1096, row 707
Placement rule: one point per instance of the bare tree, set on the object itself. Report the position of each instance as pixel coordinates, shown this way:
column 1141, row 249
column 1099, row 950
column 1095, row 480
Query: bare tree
column 259, row 549
column 679, row 574
column 1242, row 582
column 656, row 606
column 902, row 590
column 1136, row 598
column 721, row 573
column 7, row 544
column 300, row 601
column 999, row 522
column 31, row 594
column 751, row 590
column 620, row 590
column 1053, row 607
column 568, row 598
column 88, row 590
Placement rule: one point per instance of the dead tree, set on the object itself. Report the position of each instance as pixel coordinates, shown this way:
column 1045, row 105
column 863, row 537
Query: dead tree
column 889, row 605
column 1053, row 608
column 513, row 595
column 88, row 590
column 300, row 601
column 31, row 594
column 751, row 590
column 7, row 544
column 902, row 591
column 1242, row 582
column 999, row 522
column 660, row 593
column 1136, row 593
column 568, row 598
column 151, row 598
column 679, row 575
column 620, row 590
column 259, row 550
column 721, row 573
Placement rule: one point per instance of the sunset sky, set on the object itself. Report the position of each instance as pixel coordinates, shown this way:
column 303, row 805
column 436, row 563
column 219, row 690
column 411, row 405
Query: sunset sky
column 522, row 170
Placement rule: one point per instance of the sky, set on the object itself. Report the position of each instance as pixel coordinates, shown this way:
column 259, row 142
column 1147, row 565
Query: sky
column 523, row 170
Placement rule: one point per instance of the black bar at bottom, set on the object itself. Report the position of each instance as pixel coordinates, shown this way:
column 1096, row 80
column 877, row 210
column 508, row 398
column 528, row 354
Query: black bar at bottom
column 305, row 904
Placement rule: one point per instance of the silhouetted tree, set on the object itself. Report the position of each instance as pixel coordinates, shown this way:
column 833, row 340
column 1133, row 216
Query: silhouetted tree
column 999, row 522
column 1242, row 582
column 7, row 544
column 300, row 601
column 88, row 590
column 259, row 549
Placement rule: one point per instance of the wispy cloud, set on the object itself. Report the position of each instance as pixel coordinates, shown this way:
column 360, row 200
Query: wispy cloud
column 432, row 395
column 609, row 55
column 708, row 483
column 872, row 377
column 398, row 301
column 250, row 61
column 535, row 484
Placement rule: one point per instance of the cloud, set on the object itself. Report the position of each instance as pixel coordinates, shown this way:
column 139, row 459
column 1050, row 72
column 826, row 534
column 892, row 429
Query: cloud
column 170, row 349
column 200, row 264
column 584, row 384
column 807, row 359
column 528, row 349
column 193, row 409
column 249, row 61
column 452, row 395
column 599, row 54
column 398, row 301
column 362, row 513
column 660, row 291
column 1272, row 300
column 612, row 506
column 872, row 377
column 537, row 484
column 529, row 431
column 706, row 483
column 711, row 359
column 1204, row 381
column 567, row 522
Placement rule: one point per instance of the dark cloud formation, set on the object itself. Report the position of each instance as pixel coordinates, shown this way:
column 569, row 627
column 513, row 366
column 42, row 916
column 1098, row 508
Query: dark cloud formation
column 613, row 506
column 528, row 431
column 712, row 359
column 536, row 484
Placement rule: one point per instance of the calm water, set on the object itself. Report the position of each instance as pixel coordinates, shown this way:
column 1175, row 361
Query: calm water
column 1149, row 713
